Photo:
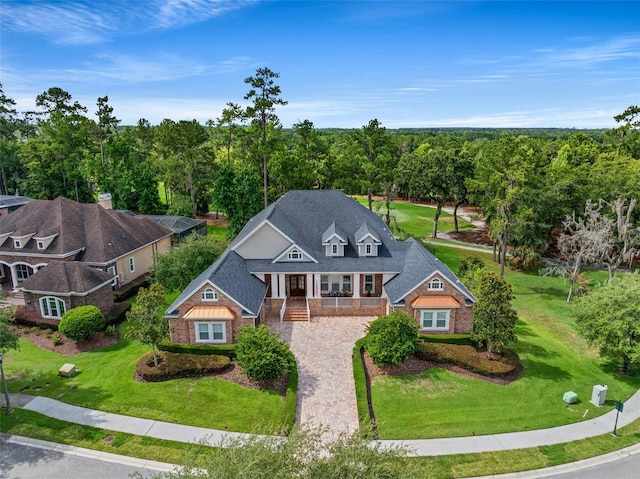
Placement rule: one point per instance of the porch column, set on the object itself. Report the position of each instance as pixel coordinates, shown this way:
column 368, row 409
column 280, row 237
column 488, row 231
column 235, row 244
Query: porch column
column 356, row 285
column 310, row 285
column 14, row 276
column 274, row 285
column 282, row 289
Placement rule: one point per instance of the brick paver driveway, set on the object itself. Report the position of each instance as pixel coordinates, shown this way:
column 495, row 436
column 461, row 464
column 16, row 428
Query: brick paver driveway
column 326, row 391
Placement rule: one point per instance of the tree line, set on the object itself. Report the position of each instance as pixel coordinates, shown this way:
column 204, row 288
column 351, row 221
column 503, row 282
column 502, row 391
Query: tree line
column 524, row 183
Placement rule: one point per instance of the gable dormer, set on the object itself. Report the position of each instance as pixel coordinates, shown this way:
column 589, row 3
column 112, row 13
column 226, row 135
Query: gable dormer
column 44, row 238
column 21, row 238
column 334, row 240
column 293, row 254
column 4, row 236
column 367, row 241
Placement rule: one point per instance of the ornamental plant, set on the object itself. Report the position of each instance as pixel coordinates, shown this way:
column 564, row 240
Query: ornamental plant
column 261, row 353
column 392, row 338
column 79, row 324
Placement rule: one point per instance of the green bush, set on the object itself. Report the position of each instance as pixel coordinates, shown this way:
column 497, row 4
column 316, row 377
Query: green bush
column 261, row 354
column 79, row 324
column 110, row 330
column 290, row 400
column 202, row 349
column 173, row 366
column 117, row 314
column 467, row 357
column 56, row 340
column 392, row 338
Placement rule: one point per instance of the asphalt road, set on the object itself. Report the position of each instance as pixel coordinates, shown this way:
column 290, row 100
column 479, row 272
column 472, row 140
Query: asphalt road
column 19, row 461
column 624, row 468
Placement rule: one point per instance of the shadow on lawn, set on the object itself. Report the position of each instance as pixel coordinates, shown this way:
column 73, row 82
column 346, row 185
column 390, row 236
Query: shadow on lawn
column 540, row 369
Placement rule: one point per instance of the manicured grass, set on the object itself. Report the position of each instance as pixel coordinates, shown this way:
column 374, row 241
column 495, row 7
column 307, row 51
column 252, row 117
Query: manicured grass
column 218, row 233
column 416, row 220
column 106, row 383
column 439, row 403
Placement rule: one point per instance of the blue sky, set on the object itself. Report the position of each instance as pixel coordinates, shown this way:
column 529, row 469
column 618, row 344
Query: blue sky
column 341, row 63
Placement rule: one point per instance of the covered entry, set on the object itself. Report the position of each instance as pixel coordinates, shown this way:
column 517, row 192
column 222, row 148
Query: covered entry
column 297, row 285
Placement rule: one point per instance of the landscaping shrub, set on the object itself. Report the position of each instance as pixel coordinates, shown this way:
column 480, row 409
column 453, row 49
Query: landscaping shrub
column 202, row 349
column 173, row 366
column 392, row 338
column 467, row 357
column 110, row 330
column 56, row 340
column 79, row 324
column 464, row 339
column 118, row 314
column 261, row 354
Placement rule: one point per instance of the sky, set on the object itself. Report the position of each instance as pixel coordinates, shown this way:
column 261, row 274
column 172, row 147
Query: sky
column 409, row 64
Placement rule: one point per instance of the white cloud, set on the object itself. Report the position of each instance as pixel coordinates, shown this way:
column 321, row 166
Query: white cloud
column 80, row 23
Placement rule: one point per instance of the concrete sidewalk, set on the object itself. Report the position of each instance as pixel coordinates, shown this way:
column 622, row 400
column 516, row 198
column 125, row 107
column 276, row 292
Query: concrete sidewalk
column 420, row 447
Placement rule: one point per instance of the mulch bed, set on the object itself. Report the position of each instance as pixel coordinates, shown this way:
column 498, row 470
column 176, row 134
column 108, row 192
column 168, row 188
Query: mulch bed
column 413, row 365
column 69, row 347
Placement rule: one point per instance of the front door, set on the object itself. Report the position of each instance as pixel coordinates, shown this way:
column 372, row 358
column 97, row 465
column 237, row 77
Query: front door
column 296, row 285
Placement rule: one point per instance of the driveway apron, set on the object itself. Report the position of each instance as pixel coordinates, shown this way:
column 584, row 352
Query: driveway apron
column 326, row 390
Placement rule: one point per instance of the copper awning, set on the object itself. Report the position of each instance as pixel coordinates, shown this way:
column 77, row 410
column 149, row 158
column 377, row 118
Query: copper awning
column 209, row 312
column 435, row 302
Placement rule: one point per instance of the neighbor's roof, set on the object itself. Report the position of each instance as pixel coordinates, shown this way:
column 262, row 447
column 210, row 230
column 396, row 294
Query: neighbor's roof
column 177, row 224
column 66, row 278
column 9, row 201
column 100, row 235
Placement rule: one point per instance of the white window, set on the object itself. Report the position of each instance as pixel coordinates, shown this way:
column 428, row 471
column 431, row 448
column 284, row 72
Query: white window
column 368, row 282
column 335, row 283
column 334, row 249
column 132, row 264
column 346, row 283
column 210, row 333
column 294, row 254
column 436, row 284
column 434, row 320
column 367, row 249
column 52, row 307
column 324, row 283
column 40, row 244
column 17, row 243
column 209, row 294
column 22, row 272
column 112, row 271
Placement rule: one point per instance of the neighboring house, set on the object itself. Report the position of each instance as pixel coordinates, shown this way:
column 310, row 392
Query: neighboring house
column 182, row 226
column 43, row 233
column 318, row 253
column 9, row 203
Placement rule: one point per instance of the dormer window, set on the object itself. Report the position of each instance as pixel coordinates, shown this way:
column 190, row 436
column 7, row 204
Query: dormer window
column 294, row 254
column 367, row 249
column 40, row 244
column 209, row 294
column 334, row 249
column 436, row 284
column 17, row 243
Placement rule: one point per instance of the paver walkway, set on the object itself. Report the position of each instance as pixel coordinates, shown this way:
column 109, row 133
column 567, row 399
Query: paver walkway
column 323, row 348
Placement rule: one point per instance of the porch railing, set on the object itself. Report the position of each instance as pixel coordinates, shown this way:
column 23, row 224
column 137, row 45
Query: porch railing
column 283, row 309
column 370, row 302
column 336, row 303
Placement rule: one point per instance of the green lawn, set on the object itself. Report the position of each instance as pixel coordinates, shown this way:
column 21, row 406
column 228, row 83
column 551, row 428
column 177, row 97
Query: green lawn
column 106, row 383
column 439, row 403
column 416, row 220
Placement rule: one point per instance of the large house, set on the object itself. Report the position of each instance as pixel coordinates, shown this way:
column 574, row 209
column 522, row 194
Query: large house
column 64, row 254
column 318, row 253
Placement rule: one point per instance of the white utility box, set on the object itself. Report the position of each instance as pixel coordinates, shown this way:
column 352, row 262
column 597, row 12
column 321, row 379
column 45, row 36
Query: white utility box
column 599, row 394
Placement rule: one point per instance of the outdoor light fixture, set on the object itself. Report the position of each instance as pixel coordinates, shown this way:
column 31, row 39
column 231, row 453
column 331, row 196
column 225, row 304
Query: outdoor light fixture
column 4, row 386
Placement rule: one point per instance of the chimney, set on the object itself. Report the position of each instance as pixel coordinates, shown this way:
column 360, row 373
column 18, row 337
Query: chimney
column 104, row 200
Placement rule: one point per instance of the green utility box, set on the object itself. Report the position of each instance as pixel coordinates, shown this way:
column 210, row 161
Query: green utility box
column 570, row 397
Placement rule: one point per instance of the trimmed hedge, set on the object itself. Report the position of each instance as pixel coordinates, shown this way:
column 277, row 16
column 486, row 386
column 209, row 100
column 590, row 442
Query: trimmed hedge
column 463, row 339
column 360, row 379
column 117, row 314
column 467, row 357
column 174, row 366
column 290, row 400
column 228, row 350
column 79, row 324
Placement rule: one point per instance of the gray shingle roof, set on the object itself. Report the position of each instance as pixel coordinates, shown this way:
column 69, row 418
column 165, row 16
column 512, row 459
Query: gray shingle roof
column 102, row 235
column 334, row 230
column 307, row 217
column 230, row 275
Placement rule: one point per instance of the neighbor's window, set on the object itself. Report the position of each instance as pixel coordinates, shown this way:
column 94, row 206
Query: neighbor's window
column 209, row 294
column 52, row 307
column 210, row 333
column 22, row 272
column 40, row 244
column 132, row 264
column 435, row 320
column 436, row 284
column 17, row 244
